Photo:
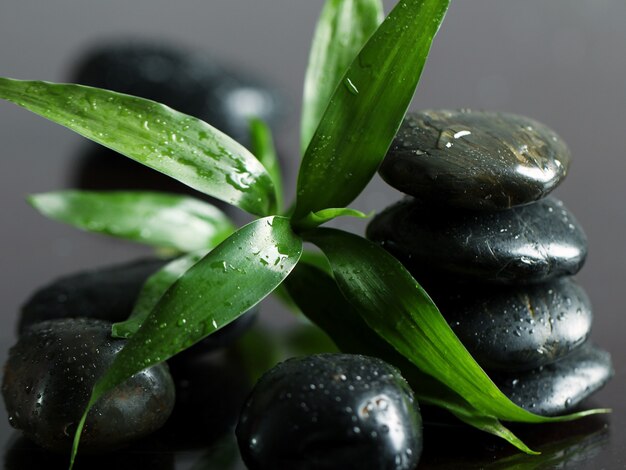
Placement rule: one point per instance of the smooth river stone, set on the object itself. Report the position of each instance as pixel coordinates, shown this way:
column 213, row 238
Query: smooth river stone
column 109, row 294
column 525, row 244
column 517, row 327
column 558, row 388
column 190, row 82
column 475, row 159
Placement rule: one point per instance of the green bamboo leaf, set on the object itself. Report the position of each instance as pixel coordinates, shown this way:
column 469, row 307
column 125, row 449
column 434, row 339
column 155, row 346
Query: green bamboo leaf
column 319, row 298
column 315, row 219
column 342, row 29
column 394, row 305
column 263, row 147
column 366, row 110
column 152, row 291
column 227, row 282
column 181, row 146
column 164, row 220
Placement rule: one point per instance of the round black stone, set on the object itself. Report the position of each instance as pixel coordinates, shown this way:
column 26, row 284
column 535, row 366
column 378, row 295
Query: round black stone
column 109, row 294
column 331, row 411
column 531, row 243
column 517, row 327
column 475, row 159
column 186, row 81
column 559, row 387
column 48, row 380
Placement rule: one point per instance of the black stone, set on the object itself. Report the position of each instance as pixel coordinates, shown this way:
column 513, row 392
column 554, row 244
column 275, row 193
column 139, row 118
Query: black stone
column 109, row 294
column 106, row 293
column 475, row 159
column 559, row 387
column 517, row 327
column 192, row 83
column 531, row 243
column 48, row 380
column 331, row 411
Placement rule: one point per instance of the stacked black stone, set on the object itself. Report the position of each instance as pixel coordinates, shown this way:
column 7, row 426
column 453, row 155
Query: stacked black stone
column 495, row 253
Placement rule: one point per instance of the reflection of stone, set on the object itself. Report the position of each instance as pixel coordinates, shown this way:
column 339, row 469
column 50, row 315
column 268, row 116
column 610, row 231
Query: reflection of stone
column 22, row 454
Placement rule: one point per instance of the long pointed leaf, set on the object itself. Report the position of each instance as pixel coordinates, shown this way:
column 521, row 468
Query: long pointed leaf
column 227, row 282
column 158, row 219
column 173, row 143
column 394, row 305
column 365, row 112
column 342, row 29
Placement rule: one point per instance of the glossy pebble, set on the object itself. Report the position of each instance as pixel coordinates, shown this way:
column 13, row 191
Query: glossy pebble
column 475, row 159
column 331, row 411
column 558, row 388
column 49, row 377
column 517, row 327
column 532, row 243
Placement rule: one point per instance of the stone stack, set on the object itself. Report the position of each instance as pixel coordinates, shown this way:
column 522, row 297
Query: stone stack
column 494, row 251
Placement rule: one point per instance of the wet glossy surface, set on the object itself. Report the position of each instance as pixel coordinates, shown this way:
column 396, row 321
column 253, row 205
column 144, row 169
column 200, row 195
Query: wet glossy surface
column 516, row 327
column 331, row 411
column 109, row 293
column 525, row 244
column 558, row 388
column 475, row 159
column 49, row 376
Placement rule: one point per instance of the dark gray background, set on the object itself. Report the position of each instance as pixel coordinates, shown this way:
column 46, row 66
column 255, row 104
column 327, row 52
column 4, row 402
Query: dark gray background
column 562, row 62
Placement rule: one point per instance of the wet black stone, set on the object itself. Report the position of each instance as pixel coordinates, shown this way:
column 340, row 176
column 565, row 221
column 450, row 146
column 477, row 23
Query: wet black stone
column 109, row 294
column 48, row 380
column 517, row 327
column 192, row 83
column 475, row 159
column 331, row 411
column 559, row 387
column 532, row 243
column 106, row 293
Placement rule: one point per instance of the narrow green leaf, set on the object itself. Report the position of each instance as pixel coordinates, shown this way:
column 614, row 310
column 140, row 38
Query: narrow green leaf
column 342, row 29
column 319, row 298
column 164, row 220
column 366, row 110
column 227, row 282
column 495, row 427
column 152, row 291
column 181, row 146
column 315, row 219
column 263, row 147
column 394, row 305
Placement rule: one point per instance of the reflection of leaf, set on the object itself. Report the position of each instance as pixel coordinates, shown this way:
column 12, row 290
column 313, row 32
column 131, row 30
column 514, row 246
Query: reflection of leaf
column 560, row 454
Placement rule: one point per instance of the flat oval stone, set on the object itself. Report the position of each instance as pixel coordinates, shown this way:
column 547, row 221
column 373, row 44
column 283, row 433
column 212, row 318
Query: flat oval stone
column 109, row 294
column 517, row 327
column 558, row 388
column 331, row 411
column 49, row 376
column 475, row 159
column 192, row 83
column 531, row 243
